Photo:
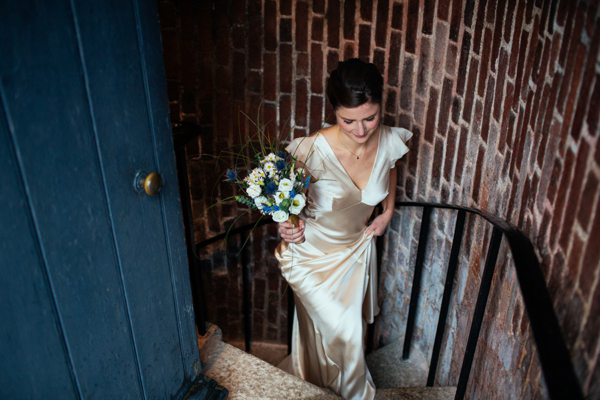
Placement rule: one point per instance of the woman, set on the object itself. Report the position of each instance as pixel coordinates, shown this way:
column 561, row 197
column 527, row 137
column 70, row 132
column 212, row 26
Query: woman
column 329, row 259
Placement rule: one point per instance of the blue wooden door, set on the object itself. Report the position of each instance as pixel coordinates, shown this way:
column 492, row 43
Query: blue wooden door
column 94, row 287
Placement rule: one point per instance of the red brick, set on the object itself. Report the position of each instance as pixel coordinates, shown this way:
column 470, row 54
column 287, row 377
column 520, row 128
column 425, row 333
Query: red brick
column 497, row 33
column 574, row 194
column 270, row 77
column 524, row 198
column 462, row 66
column 431, row 114
column 428, row 16
column 506, row 124
column 270, row 120
column 591, row 257
column 571, row 24
column 381, row 27
column 285, row 7
column 510, row 10
column 478, row 31
column 366, row 10
column 451, row 55
column 468, row 14
column 332, row 61
column 364, row 43
column 406, row 89
column 548, row 117
column 594, row 106
column 478, row 174
column 582, row 101
column 521, row 66
column 285, row 114
column 316, row 108
column 333, row 23
column 379, row 59
column 514, row 52
column 286, row 64
column 238, row 83
column 436, row 168
column 461, row 154
column 450, row 153
column 394, row 59
column 553, row 181
column 455, row 21
column 349, row 51
column 443, row 10
column 254, row 44
column 301, row 38
column 397, row 14
column 561, row 196
column 437, row 72
column 317, row 29
column 171, row 54
column 470, row 94
column 318, row 6
column 285, row 30
column 485, row 58
column 570, row 101
column 529, row 12
column 588, row 200
column 510, row 215
column 238, row 37
column 423, row 73
column 391, row 103
column 502, row 67
column 316, row 68
column 414, row 145
column 349, row 19
column 411, row 26
column 301, row 102
column 270, row 25
column 302, row 64
column 445, row 106
column 254, row 8
column 489, row 98
column 456, row 104
column 512, row 118
column 517, row 142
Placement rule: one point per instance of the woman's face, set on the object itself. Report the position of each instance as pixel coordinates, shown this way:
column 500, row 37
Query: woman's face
column 358, row 123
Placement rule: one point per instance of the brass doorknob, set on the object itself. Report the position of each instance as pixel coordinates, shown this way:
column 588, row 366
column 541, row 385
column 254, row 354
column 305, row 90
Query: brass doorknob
column 151, row 183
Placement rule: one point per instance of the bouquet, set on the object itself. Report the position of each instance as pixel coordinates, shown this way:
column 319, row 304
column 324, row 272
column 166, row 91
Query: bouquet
column 274, row 186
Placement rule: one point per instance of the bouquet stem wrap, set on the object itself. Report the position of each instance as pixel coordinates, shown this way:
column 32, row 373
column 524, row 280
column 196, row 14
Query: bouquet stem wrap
column 293, row 219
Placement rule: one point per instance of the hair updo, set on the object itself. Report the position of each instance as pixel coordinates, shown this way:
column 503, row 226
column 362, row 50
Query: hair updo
column 354, row 83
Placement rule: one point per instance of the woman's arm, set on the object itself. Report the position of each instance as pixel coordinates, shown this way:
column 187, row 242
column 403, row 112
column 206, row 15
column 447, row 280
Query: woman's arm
column 381, row 222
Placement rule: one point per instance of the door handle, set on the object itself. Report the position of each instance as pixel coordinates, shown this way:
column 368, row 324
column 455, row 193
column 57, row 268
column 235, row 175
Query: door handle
column 150, row 183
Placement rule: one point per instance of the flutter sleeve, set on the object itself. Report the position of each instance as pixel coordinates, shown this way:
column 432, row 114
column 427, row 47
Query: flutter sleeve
column 398, row 148
column 301, row 147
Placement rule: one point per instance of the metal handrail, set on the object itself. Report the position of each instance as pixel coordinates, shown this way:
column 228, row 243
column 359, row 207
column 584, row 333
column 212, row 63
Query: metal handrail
column 556, row 363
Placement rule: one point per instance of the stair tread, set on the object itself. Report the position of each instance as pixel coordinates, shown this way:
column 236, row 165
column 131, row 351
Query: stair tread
column 390, row 371
column 248, row 377
column 427, row 393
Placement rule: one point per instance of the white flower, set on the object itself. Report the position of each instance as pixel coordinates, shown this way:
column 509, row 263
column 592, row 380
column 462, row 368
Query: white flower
column 271, row 157
column 260, row 202
column 270, row 168
column 279, row 196
column 280, row 216
column 285, row 185
column 298, row 203
column 253, row 191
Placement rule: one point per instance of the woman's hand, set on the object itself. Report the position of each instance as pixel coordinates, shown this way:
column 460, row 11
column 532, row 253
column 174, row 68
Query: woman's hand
column 379, row 224
column 291, row 233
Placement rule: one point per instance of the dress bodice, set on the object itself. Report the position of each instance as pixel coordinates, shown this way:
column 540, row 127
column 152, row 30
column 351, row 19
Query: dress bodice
column 337, row 211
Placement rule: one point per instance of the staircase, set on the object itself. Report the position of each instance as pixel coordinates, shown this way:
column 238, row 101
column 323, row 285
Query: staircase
column 247, row 377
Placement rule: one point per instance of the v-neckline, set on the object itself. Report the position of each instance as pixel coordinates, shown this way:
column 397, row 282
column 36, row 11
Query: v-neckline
column 344, row 169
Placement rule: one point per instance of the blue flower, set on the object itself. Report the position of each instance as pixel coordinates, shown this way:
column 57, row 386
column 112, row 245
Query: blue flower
column 275, row 208
column 307, row 182
column 231, row 175
column 292, row 194
column 271, row 187
column 281, row 154
column 280, row 165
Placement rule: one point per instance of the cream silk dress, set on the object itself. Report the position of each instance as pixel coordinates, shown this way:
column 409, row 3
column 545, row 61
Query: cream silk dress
column 333, row 272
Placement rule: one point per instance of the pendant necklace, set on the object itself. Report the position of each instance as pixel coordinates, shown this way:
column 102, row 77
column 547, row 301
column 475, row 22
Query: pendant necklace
column 354, row 154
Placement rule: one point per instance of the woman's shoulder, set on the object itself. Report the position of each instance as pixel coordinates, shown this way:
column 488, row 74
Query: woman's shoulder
column 393, row 132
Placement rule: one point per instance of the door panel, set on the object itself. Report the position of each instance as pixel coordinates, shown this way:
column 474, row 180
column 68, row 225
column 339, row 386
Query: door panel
column 105, row 279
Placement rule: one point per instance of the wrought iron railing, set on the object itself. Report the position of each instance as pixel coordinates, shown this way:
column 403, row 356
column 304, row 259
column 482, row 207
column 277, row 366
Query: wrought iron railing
column 554, row 356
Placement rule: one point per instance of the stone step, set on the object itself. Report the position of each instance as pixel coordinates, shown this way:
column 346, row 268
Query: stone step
column 389, row 370
column 247, row 377
column 428, row 393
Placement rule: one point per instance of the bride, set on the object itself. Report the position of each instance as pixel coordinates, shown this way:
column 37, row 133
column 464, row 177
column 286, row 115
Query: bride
column 329, row 259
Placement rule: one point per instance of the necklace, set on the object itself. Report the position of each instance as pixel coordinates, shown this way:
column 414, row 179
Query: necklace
column 354, row 154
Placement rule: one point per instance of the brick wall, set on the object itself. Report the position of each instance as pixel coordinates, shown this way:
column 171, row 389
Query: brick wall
column 503, row 100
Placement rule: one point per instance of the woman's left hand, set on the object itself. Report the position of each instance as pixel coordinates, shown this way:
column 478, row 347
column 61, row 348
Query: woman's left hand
column 379, row 224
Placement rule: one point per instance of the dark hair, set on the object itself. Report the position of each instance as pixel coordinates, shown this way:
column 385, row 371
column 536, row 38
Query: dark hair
column 354, row 83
